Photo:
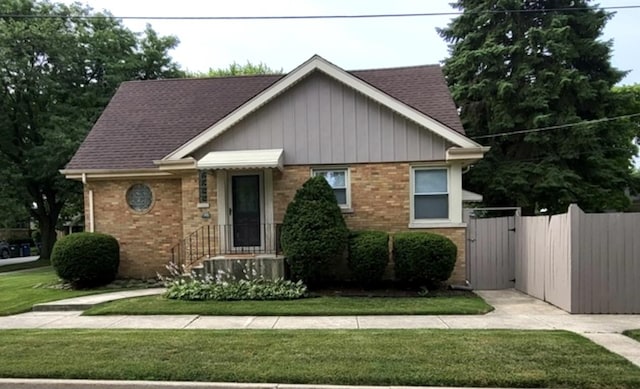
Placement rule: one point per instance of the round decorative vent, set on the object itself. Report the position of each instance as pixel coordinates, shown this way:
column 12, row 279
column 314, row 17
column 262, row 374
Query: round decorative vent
column 139, row 197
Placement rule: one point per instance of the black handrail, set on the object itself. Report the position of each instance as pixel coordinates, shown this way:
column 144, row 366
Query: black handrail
column 212, row 240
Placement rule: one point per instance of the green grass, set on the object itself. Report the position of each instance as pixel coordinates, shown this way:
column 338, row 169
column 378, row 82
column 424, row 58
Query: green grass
column 20, row 291
column 353, row 357
column 634, row 334
column 325, row 306
column 24, row 266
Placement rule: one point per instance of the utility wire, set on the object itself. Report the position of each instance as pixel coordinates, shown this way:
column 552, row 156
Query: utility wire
column 296, row 17
column 557, row 126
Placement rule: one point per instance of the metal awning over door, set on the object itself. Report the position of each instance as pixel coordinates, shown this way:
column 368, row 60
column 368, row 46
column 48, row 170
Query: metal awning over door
column 242, row 159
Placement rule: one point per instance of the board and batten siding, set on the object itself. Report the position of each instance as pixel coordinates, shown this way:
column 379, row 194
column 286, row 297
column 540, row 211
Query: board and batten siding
column 322, row 121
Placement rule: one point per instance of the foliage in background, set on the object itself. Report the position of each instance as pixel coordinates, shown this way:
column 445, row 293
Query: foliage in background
column 314, row 234
column 538, row 68
column 423, row 258
column 86, row 259
column 368, row 256
column 225, row 287
column 57, row 75
column 628, row 103
column 235, row 69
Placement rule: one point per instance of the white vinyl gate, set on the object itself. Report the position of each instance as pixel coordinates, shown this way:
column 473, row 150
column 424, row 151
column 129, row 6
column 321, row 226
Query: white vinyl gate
column 490, row 250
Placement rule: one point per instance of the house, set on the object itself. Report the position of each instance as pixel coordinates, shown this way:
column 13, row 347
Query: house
column 216, row 161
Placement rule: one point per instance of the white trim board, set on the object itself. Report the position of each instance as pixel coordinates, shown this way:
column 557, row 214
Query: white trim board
column 318, row 63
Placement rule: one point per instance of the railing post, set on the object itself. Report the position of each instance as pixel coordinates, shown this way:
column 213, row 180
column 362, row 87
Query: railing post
column 209, row 240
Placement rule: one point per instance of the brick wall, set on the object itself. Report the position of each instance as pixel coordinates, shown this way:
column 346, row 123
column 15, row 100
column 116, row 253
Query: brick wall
column 379, row 201
column 145, row 238
column 191, row 214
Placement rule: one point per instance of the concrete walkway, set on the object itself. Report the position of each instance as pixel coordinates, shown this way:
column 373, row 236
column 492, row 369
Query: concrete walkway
column 513, row 310
column 12, row 261
column 85, row 302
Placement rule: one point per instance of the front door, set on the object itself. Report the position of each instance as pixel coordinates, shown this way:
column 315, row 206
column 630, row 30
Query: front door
column 245, row 203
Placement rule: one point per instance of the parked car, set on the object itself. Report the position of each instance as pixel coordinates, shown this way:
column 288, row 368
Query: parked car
column 4, row 249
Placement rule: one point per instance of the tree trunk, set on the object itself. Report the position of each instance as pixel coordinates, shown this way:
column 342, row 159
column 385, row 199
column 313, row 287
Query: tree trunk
column 48, row 231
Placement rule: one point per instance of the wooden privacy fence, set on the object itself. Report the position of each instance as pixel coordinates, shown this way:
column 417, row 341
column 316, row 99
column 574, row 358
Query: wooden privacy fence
column 582, row 263
column 490, row 251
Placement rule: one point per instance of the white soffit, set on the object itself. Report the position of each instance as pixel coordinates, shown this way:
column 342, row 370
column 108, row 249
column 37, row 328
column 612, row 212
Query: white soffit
column 242, row 159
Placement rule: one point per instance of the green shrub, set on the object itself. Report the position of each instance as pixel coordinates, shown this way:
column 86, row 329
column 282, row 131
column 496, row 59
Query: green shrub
column 86, row 259
column 225, row 287
column 368, row 256
column 258, row 289
column 423, row 258
column 314, row 234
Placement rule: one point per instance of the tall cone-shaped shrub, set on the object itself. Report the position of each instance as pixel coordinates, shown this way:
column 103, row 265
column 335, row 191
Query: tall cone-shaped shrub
column 314, row 234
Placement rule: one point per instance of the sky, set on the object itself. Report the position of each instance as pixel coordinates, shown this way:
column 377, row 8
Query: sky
column 349, row 43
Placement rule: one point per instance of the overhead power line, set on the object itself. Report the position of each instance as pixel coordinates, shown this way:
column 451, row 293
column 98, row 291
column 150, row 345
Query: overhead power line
column 582, row 123
column 295, row 17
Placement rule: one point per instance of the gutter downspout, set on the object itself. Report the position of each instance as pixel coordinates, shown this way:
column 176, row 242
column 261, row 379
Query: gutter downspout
column 91, row 224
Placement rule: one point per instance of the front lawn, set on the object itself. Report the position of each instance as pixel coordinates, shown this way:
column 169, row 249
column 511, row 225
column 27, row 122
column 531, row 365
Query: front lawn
column 20, row 291
column 634, row 334
column 316, row 306
column 497, row 358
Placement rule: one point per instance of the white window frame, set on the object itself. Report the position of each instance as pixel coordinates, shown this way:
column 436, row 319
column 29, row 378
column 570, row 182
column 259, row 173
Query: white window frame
column 347, row 182
column 454, row 192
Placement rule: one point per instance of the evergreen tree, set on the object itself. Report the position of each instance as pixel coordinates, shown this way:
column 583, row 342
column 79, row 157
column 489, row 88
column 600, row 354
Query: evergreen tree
column 314, row 233
column 518, row 65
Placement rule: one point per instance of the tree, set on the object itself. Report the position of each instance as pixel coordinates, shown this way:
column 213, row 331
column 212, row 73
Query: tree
column 628, row 103
column 12, row 211
column 236, row 69
column 518, row 65
column 57, row 73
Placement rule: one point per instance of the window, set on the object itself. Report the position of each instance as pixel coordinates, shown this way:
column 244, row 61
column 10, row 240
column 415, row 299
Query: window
column 203, row 195
column 338, row 179
column 430, row 194
column 139, row 197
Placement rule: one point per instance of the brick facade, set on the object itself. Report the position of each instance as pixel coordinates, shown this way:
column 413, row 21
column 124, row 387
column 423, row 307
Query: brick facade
column 192, row 210
column 379, row 199
column 145, row 238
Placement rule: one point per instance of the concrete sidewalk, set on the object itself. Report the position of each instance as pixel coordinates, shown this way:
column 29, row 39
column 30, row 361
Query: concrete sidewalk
column 513, row 310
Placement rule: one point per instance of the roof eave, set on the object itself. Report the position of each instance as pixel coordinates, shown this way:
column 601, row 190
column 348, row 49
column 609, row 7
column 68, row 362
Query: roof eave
column 97, row 174
column 466, row 155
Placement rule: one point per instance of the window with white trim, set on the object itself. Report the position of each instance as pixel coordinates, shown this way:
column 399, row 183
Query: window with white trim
column 430, row 194
column 338, row 179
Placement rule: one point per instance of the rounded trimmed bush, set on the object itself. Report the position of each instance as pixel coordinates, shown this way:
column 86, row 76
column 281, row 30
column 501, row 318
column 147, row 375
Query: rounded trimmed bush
column 314, row 234
column 368, row 256
column 86, row 259
column 423, row 258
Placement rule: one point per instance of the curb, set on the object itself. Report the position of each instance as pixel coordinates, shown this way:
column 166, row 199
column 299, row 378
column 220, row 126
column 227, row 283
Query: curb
column 22, row 383
column 60, row 307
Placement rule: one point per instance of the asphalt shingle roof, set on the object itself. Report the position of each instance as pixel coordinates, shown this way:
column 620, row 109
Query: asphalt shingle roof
column 146, row 120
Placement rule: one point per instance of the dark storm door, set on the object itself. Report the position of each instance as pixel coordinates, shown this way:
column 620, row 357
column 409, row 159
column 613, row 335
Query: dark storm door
column 245, row 197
